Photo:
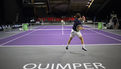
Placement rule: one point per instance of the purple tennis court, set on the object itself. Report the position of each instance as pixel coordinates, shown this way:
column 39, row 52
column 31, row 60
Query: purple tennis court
column 59, row 35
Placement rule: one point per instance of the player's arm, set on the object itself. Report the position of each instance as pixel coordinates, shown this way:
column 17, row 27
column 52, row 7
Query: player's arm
column 79, row 28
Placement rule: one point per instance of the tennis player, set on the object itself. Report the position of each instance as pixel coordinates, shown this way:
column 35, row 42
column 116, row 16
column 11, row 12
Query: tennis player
column 77, row 26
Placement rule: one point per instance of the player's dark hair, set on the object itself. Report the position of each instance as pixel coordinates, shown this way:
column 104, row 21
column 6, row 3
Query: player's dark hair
column 78, row 15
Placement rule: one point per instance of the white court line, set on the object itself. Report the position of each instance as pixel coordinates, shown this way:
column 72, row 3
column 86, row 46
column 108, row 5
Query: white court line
column 59, row 29
column 50, row 34
column 15, row 34
column 12, row 35
column 111, row 33
column 50, row 29
column 106, row 31
column 107, row 36
column 16, row 38
column 62, row 29
column 58, row 45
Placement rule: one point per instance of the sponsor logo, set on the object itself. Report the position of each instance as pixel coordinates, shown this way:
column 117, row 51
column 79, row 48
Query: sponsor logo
column 64, row 66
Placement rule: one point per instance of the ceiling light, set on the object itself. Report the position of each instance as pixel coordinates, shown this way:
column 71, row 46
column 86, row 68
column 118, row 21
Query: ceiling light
column 88, row 2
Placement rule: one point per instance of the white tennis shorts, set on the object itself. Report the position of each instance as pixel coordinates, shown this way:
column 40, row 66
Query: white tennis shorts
column 75, row 33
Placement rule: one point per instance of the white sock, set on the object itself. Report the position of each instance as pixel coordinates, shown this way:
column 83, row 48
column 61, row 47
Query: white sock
column 67, row 44
column 83, row 45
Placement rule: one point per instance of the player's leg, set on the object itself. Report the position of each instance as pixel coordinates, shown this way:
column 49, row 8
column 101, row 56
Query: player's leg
column 82, row 40
column 70, row 38
column 69, row 42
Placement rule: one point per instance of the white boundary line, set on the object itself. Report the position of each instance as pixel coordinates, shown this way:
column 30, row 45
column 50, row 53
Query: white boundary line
column 58, row 29
column 58, row 45
column 111, row 33
column 12, row 35
column 62, row 29
column 107, row 36
column 15, row 34
column 50, row 29
column 107, row 32
column 16, row 38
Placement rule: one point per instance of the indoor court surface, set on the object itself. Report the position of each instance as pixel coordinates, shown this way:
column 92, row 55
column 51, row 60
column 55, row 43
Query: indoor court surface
column 45, row 45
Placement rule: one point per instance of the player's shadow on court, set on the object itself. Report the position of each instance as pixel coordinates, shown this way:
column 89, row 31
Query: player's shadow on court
column 78, row 53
